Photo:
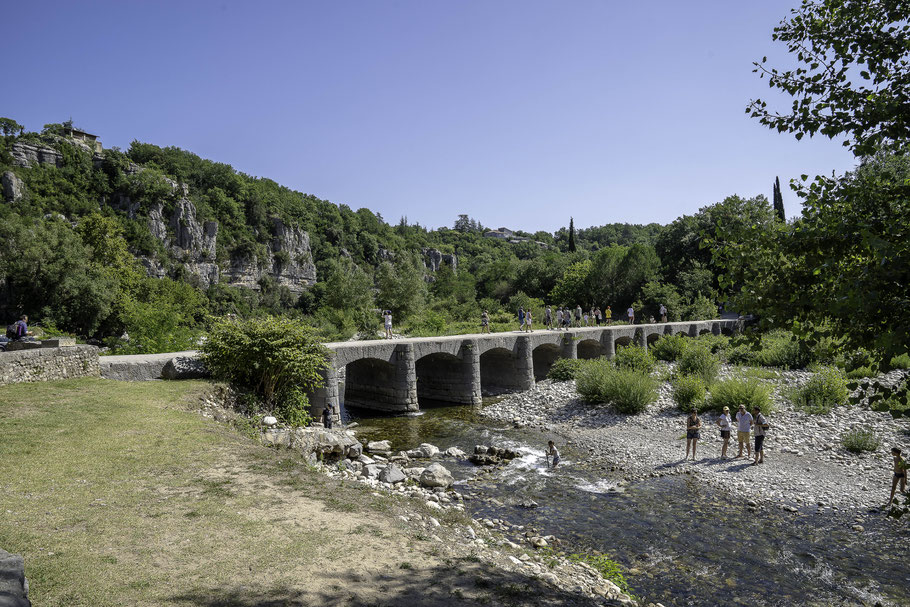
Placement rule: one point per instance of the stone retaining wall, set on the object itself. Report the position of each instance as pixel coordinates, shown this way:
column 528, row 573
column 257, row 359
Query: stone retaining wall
column 44, row 364
column 13, row 585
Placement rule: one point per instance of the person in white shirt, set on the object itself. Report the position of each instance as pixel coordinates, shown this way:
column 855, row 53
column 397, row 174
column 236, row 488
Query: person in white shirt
column 552, row 452
column 744, row 421
column 387, row 318
column 725, row 424
column 631, row 314
column 663, row 313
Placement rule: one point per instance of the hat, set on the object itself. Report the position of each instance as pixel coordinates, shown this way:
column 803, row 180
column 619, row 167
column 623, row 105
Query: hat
column 726, row 408
column 742, row 406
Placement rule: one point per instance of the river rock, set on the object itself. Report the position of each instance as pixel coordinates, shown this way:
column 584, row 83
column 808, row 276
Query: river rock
column 379, row 446
column 391, row 474
column 371, row 471
column 425, row 450
column 436, row 475
column 13, row 585
column 455, row 452
column 185, row 367
column 269, row 420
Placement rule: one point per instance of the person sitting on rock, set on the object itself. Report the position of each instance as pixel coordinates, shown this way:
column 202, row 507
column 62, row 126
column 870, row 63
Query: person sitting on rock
column 552, row 452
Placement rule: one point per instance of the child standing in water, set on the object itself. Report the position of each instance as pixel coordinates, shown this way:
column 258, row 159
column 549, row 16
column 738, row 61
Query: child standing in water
column 900, row 473
column 552, row 452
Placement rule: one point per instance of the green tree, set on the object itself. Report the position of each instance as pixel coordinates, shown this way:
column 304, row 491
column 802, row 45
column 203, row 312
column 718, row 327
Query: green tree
column 10, row 127
column 571, row 235
column 401, row 287
column 779, row 201
column 853, row 77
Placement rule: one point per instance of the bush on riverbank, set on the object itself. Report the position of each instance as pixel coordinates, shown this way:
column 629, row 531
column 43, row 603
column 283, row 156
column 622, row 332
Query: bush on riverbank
column 901, row 361
column 606, row 567
column 635, row 358
column 698, row 360
column 689, row 391
column 717, row 344
column 669, row 347
column 860, row 440
column 825, row 390
column 626, row 390
column 735, row 392
column 564, row 369
column 776, row 349
column 277, row 359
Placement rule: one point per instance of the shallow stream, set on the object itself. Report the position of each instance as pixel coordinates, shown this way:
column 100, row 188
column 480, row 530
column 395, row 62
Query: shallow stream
column 679, row 541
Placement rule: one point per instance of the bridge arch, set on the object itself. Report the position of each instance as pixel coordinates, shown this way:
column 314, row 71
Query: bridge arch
column 590, row 348
column 504, row 370
column 444, row 377
column 544, row 356
column 383, row 385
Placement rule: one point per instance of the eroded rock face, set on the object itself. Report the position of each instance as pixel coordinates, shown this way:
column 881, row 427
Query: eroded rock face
column 28, row 155
column 434, row 258
column 13, row 188
column 297, row 271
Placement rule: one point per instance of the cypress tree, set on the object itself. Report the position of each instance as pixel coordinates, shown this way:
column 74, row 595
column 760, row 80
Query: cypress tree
column 779, row 201
column 571, row 235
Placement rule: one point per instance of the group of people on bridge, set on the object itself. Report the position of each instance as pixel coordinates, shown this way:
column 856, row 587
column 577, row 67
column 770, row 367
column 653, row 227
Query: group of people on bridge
column 565, row 318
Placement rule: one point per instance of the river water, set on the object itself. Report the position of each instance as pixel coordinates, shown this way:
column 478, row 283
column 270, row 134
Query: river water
column 680, row 542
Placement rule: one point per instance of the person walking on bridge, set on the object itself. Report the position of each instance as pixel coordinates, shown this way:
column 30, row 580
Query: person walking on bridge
column 548, row 318
column 528, row 320
column 387, row 321
column 631, row 314
column 578, row 316
column 521, row 318
column 485, row 322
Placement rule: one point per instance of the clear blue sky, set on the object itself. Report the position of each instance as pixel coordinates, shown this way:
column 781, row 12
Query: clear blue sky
column 518, row 113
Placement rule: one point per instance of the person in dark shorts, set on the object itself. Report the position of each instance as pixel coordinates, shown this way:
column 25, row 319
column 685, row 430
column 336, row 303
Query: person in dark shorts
column 693, row 425
column 327, row 418
column 900, row 473
column 485, row 322
column 725, row 424
column 552, row 452
column 760, row 425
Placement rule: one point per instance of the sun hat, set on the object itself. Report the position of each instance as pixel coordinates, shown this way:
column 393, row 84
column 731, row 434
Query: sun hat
column 726, row 408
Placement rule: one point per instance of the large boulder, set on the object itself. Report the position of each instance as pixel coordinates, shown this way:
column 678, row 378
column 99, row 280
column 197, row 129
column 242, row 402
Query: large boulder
column 436, row 475
column 379, row 446
column 425, row 450
column 185, row 367
column 13, row 585
column 391, row 474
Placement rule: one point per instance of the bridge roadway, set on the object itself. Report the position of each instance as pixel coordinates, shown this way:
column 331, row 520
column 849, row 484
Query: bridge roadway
column 394, row 375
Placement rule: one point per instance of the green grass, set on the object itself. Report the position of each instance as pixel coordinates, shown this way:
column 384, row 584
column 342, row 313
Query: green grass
column 608, row 569
column 116, row 494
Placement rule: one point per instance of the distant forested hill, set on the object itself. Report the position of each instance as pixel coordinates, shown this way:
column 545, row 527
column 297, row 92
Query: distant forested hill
column 150, row 242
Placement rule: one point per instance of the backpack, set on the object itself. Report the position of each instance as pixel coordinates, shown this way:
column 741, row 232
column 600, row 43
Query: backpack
column 12, row 331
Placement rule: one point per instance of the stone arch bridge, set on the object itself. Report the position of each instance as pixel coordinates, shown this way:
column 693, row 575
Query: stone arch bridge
column 394, row 375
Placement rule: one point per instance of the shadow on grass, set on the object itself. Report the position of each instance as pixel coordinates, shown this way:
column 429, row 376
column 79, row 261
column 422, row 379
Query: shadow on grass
column 462, row 582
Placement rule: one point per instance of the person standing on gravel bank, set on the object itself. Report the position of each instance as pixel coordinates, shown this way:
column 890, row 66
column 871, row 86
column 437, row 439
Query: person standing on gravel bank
column 900, row 474
column 744, row 426
column 761, row 424
column 725, row 424
column 693, row 425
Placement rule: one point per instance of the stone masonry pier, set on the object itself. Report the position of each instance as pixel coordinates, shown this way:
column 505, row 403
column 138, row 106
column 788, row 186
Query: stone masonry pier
column 392, row 375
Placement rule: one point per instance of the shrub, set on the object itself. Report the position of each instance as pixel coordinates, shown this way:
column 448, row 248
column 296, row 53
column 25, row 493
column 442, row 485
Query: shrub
column 635, row 358
column 698, row 360
column 626, row 390
column 735, row 392
column 608, row 569
column 564, row 369
column 825, row 390
column 860, row 358
column 669, row 347
column 901, row 361
column 689, row 391
column 781, row 349
column 861, row 373
column 277, row 359
column 715, row 343
column 860, row 440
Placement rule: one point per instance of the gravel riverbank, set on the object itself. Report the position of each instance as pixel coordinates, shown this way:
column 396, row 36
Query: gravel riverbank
column 805, row 465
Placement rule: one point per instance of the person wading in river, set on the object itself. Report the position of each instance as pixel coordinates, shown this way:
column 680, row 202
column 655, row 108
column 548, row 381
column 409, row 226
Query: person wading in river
column 552, row 452
column 693, row 425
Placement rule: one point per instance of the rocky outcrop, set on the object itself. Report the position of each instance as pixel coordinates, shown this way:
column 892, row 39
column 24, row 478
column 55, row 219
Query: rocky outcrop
column 434, row 258
column 295, row 270
column 28, row 155
column 185, row 367
column 13, row 188
column 326, row 444
column 13, row 585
